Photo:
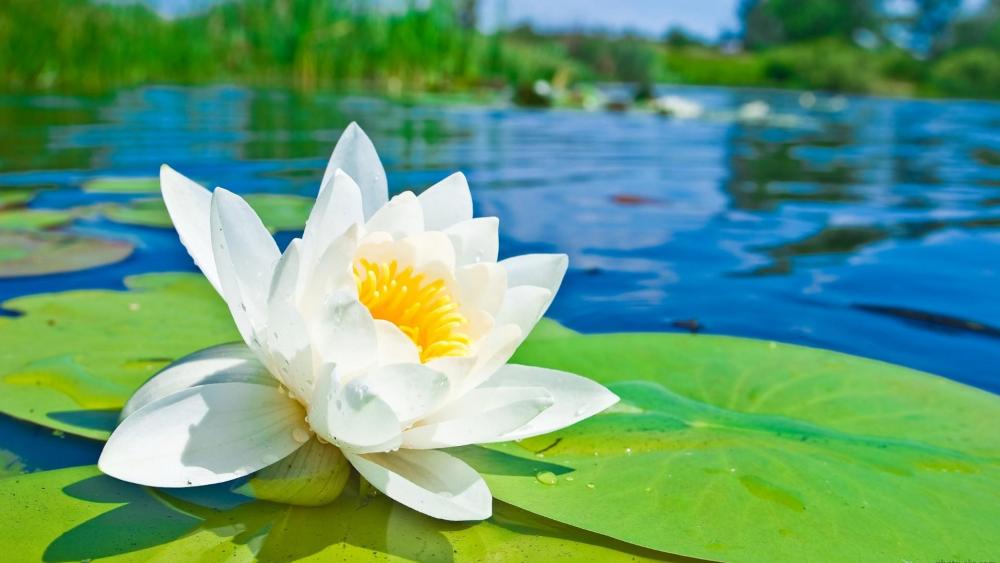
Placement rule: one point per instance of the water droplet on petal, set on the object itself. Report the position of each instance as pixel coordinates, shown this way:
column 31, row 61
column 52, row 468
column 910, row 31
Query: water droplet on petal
column 546, row 477
column 300, row 435
column 270, row 458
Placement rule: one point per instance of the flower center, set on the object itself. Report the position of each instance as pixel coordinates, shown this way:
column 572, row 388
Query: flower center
column 422, row 308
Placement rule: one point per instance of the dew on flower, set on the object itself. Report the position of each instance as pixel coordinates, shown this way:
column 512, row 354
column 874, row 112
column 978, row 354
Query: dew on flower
column 300, row 435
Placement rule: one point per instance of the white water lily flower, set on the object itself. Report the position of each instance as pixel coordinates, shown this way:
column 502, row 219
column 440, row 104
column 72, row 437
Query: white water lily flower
column 384, row 331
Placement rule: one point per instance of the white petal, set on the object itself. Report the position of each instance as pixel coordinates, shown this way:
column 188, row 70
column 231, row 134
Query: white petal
column 337, row 208
column 455, row 368
column 429, row 481
column 482, row 286
column 411, row 390
column 498, row 346
column 245, row 255
column 203, row 435
column 394, row 347
column 574, row 398
column 446, row 203
column 226, row 363
column 344, row 334
column 524, row 306
column 286, row 334
column 355, row 154
column 330, row 273
column 542, row 270
column 475, row 240
column 401, row 217
column 430, row 251
column 352, row 416
column 481, row 416
column 189, row 206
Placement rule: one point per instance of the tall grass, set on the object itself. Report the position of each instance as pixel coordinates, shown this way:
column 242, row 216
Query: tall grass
column 83, row 45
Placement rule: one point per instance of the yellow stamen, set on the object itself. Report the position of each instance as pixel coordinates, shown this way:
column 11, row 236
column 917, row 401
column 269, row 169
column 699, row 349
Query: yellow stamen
column 423, row 309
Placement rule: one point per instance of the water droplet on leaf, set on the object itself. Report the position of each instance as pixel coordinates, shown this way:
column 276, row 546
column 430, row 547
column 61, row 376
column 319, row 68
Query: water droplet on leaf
column 546, row 477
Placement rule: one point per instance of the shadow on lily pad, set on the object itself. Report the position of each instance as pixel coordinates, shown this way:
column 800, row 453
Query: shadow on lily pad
column 210, row 523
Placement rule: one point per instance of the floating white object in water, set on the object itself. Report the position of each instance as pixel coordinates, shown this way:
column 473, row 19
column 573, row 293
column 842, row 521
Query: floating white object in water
column 676, row 106
column 543, row 88
column 753, row 111
column 807, row 100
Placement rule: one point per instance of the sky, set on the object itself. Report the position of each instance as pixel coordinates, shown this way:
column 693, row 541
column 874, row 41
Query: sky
column 706, row 18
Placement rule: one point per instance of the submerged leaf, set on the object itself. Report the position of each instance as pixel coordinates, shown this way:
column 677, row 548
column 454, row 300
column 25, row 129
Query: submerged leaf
column 10, row 464
column 35, row 253
column 34, row 219
column 123, row 185
column 78, row 514
column 745, row 450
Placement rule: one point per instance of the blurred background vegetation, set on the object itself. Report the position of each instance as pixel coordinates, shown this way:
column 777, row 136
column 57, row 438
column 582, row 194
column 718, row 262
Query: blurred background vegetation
column 934, row 48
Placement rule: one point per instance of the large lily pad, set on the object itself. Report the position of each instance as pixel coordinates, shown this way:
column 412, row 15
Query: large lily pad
column 78, row 514
column 72, row 359
column 35, row 253
column 279, row 212
column 742, row 450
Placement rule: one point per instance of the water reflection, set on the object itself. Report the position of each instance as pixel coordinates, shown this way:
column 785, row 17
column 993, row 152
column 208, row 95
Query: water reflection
column 868, row 226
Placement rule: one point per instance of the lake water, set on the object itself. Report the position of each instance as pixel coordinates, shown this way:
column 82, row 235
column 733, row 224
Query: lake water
column 869, row 226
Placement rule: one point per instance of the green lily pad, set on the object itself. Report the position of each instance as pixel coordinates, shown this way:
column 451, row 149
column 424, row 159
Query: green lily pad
column 72, row 359
column 35, row 253
column 35, row 219
column 279, row 212
column 742, row 450
column 123, row 185
column 15, row 197
column 78, row 514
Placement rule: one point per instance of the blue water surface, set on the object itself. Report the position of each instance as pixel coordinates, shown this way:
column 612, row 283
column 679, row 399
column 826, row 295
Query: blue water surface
column 869, row 226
